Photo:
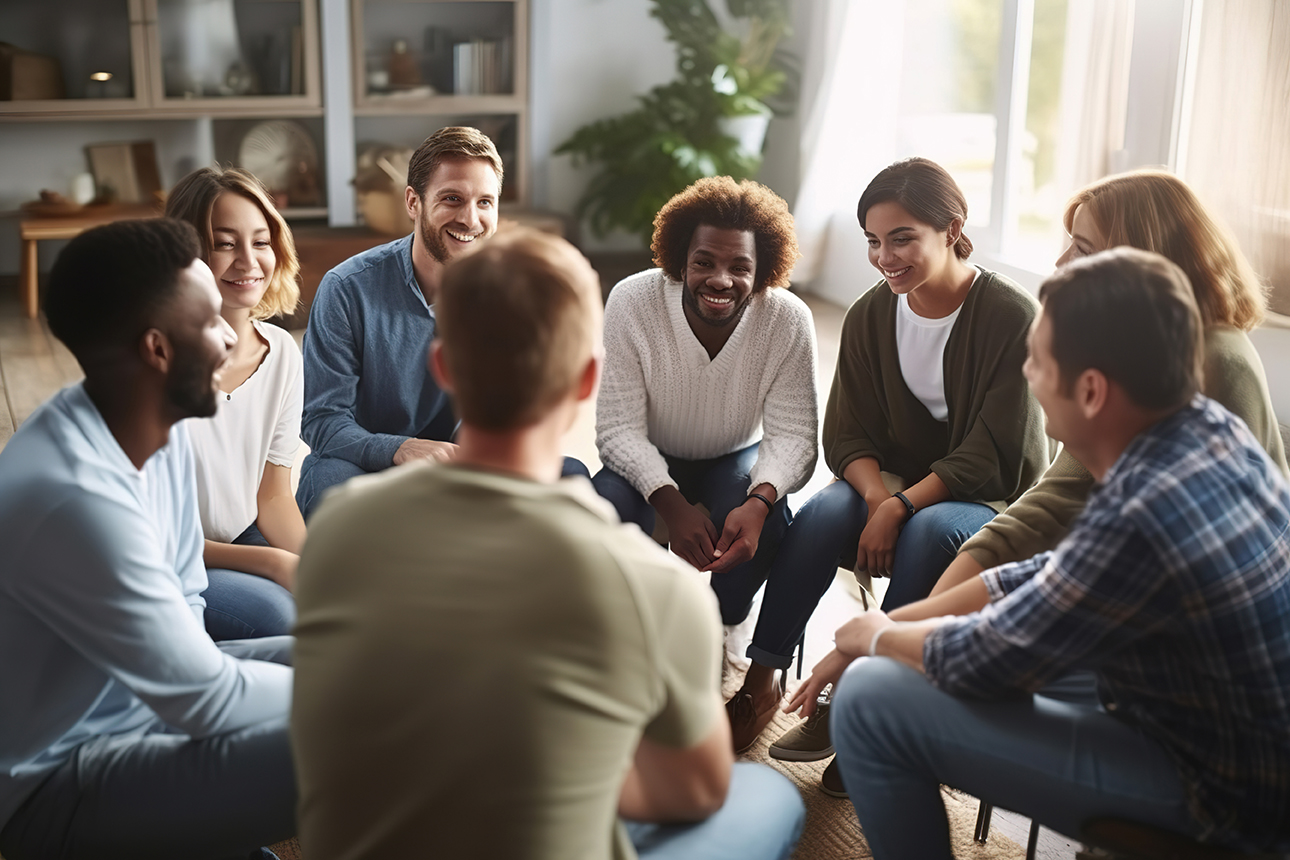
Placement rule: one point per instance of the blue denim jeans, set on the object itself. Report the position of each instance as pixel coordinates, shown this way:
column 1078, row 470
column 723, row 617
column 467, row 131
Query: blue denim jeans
column 1060, row 763
column 154, row 794
column 245, row 606
column 761, row 820
column 323, row 473
column 721, row 485
column 823, row 537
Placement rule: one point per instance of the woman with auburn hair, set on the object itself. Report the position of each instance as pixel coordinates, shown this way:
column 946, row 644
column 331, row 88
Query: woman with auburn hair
column 1155, row 211
column 253, row 527
column 929, row 427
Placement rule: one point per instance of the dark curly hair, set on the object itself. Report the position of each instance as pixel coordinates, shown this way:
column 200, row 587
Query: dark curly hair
column 719, row 201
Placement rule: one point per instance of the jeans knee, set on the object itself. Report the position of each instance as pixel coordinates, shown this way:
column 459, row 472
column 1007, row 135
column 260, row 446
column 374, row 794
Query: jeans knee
column 765, row 795
column 874, row 697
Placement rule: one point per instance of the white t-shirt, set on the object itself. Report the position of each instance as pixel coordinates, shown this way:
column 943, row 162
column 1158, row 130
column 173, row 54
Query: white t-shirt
column 920, row 342
column 256, row 423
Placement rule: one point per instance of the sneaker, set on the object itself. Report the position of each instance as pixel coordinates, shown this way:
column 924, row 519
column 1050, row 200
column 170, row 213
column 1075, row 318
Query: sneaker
column 809, row 739
column 831, row 781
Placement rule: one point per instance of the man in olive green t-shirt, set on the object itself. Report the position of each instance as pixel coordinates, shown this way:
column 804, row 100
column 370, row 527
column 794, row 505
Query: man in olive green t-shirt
column 488, row 664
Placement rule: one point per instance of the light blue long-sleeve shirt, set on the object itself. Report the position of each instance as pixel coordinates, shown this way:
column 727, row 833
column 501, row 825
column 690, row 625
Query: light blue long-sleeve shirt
column 101, row 578
column 367, row 384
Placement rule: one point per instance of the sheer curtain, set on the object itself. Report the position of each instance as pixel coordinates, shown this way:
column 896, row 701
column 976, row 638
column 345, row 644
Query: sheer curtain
column 848, row 136
column 880, row 73
column 1237, row 142
column 1095, row 88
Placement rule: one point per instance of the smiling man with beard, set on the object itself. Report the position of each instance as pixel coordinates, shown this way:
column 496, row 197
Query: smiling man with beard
column 370, row 402
column 124, row 730
column 709, row 393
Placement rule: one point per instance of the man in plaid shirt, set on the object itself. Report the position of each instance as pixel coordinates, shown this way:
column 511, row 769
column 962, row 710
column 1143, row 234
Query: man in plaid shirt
column 1173, row 587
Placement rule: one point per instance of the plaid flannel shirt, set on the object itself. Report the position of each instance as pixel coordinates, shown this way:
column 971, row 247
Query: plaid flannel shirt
column 1174, row 586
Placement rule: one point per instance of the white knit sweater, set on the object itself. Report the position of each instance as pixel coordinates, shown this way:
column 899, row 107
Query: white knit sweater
column 661, row 392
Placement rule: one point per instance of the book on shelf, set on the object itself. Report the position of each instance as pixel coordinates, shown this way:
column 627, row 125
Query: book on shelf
column 482, row 67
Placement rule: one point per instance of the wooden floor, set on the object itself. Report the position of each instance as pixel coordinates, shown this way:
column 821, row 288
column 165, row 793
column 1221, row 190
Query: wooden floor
column 34, row 365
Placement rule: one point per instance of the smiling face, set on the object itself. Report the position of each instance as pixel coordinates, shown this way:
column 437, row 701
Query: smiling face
column 242, row 258
column 458, row 208
column 720, row 271
column 202, row 341
column 1086, row 238
column 908, row 252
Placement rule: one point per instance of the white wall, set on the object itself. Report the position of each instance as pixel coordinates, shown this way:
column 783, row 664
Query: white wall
column 590, row 60
column 46, row 155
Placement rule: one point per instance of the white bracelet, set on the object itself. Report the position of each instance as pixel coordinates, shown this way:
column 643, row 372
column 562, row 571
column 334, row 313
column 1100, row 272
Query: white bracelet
column 873, row 643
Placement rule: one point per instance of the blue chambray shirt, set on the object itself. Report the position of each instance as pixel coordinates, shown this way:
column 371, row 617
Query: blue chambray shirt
column 367, row 384
column 1174, row 586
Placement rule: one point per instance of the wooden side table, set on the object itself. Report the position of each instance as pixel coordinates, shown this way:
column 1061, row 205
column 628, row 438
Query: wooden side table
column 37, row 227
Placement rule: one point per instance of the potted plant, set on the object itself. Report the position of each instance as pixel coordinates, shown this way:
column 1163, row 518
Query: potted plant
column 711, row 120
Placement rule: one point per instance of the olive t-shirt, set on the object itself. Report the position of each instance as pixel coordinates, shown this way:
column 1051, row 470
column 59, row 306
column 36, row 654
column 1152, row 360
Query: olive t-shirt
column 477, row 658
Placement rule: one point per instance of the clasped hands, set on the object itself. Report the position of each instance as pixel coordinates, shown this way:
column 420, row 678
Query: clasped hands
column 693, row 536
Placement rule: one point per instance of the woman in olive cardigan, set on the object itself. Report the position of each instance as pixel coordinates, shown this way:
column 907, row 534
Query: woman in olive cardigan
column 928, row 401
column 1155, row 211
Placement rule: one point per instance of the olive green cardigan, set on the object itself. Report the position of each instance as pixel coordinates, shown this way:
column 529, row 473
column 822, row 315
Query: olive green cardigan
column 1040, row 519
column 992, row 445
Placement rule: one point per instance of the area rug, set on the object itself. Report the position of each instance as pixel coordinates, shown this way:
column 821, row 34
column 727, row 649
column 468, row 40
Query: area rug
column 832, row 832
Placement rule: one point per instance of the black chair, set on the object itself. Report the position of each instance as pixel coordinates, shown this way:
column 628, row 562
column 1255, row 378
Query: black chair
column 1129, row 840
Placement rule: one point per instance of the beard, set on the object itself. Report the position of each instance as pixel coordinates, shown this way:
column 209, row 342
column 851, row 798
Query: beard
column 190, row 387
column 690, row 300
column 433, row 243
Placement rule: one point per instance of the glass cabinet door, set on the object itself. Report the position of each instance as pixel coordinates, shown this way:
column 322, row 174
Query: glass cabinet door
column 462, row 54
column 71, row 56
column 237, row 55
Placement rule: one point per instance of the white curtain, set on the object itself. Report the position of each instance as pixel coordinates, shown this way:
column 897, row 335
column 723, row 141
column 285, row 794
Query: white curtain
column 848, row 136
column 1095, row 89
column 857, row 106
column 1237, row 150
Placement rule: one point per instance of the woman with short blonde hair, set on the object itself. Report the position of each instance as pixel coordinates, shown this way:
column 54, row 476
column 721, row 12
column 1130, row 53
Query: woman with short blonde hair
column 244, row 454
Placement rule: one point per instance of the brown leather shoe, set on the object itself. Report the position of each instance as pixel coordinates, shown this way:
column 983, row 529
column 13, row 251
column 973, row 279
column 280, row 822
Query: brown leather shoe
column 746, row 722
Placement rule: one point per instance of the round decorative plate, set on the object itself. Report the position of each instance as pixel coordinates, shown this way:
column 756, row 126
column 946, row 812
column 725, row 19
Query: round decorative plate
column 278, row 152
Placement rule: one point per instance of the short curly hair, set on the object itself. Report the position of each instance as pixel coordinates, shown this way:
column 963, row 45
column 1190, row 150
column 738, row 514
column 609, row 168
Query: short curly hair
column 719, row 201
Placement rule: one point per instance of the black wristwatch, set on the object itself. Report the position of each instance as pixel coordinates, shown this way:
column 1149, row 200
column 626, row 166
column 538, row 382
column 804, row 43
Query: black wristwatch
column 909, row 506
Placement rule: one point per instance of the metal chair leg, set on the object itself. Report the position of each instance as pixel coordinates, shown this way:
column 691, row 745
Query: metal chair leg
column 1033, row 842
column 983, row 812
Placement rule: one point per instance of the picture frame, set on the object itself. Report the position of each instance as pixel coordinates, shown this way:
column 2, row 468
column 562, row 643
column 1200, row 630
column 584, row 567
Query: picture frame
column 125, row 172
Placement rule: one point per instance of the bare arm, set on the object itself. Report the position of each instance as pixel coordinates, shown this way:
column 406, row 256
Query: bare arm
column 962, row 569
column 270, row 562
column 277, row 514
column 964, row 599
column 666, row 784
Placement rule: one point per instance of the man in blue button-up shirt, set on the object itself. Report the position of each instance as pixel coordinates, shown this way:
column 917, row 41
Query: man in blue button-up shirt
column 1173, row 587
column 370, row 401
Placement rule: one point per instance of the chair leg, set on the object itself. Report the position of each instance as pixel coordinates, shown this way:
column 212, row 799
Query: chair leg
column 983, row 812
column 1033, row 842
column 801, row 655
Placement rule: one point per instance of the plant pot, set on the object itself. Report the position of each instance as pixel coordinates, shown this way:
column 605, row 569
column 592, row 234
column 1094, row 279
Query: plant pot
column 749, row 130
